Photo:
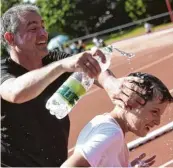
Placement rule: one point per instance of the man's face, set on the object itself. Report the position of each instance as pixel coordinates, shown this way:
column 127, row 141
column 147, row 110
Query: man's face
column 31, row 37
column 142, row 120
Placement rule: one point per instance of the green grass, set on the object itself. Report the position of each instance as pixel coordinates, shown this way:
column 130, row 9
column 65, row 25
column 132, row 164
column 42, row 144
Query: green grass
column 129, row 34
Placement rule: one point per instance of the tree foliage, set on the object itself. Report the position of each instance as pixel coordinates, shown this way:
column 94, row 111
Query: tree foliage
column 5, row 5
column 136, row 9
column 55, row 13
column 81, row 17
column 140, row 9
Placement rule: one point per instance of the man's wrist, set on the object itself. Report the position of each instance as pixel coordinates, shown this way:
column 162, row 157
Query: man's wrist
column 105, row 78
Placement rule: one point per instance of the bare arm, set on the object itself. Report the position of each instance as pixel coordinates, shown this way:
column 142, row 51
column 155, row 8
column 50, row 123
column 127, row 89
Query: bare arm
column 31, row 84
column 102, row 77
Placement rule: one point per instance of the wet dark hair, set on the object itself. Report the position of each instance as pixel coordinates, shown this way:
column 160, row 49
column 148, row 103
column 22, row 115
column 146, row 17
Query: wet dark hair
column 151, row 84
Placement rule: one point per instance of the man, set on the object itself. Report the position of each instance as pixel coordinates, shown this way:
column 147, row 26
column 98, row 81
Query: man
column 101, row 143
column 148, row 28
column 29, row 76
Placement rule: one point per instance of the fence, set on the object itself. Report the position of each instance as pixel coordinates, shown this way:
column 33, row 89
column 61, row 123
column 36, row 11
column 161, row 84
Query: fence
column 121, row 27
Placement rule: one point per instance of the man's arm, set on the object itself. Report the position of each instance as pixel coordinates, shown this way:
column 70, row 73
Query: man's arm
column 31, row 84
column 102, row 77
column 76, row 160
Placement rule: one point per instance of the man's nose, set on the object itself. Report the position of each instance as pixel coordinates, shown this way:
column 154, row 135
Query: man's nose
column 43, row 32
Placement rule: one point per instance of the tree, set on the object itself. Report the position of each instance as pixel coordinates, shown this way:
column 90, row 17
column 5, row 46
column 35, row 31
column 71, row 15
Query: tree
column 157, row 7
column 80, row 17
column 136, row 9
column 5, row 5
column 86, row 16
column 54, row 13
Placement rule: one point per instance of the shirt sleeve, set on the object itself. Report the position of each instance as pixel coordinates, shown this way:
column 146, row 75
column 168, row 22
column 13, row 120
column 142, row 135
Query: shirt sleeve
column 5, row 72
column 95, row 147
column 55, row 55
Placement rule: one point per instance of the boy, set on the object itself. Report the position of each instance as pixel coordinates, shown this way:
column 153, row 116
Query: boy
column 102, row 144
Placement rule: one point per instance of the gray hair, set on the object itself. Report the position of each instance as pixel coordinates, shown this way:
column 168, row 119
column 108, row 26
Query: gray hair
column 11, row 20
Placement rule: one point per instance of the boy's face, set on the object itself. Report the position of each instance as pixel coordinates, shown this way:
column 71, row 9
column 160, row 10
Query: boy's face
column 140, row 121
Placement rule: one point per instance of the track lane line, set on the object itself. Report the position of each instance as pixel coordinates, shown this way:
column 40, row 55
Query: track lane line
column 166, row 164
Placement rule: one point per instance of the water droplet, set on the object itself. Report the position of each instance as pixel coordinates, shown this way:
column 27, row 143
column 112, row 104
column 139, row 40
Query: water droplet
column 4, row 129
column 128, row 55
column 47, row 158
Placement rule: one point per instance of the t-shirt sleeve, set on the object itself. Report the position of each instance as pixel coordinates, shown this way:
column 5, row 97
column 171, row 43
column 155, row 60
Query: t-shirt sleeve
column 55, row 55
column 96, row 146
column 5, row 72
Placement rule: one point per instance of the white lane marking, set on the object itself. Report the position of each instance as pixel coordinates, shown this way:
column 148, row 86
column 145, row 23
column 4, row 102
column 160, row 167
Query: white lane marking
column 166, row 164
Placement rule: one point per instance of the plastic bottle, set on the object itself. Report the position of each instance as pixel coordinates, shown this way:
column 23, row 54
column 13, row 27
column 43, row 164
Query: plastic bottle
column 67, row 96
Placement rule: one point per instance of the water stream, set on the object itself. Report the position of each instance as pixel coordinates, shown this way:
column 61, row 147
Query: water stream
column 128, row 55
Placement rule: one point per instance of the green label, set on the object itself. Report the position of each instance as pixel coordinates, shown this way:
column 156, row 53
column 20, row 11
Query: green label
column 107, row 49
column 71, row 91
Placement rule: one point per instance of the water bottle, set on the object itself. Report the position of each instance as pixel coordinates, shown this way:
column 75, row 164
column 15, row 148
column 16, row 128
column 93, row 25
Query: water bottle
column 69, row 93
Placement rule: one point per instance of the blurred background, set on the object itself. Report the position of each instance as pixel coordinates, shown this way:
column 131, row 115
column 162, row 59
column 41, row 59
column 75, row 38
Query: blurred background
column 77, row 25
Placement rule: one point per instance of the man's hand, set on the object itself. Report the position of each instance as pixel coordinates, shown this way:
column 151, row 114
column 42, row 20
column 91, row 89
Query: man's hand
column 139, row 162
column 124, row 91
column 84, row 62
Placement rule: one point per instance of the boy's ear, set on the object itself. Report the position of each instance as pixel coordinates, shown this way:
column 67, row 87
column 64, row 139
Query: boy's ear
column 9, row 37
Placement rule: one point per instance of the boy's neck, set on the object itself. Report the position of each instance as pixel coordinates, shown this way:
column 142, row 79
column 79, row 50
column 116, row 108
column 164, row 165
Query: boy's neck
column 118, row 114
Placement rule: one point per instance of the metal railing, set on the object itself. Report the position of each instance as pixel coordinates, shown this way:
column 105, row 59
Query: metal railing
column 121, row 27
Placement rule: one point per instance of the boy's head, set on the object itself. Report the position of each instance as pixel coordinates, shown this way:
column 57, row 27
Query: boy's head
column 157, row 97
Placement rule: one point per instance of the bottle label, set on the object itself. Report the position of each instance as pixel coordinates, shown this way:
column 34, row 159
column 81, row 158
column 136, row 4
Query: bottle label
column 71, row 91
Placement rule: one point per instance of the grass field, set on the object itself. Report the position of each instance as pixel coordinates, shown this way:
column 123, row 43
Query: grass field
column 129, row 34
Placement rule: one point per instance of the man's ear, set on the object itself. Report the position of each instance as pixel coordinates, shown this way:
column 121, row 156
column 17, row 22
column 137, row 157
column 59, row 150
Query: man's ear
column 9, row 37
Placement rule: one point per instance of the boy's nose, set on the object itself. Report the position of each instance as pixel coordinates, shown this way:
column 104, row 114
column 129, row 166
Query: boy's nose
column 157, row 121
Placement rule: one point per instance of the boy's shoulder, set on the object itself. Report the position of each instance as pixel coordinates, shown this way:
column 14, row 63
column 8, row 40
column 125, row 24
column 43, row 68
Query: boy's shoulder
column 105, row 123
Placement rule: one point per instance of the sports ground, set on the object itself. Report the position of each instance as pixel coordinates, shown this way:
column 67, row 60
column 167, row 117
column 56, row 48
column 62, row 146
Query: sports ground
column 154, row 55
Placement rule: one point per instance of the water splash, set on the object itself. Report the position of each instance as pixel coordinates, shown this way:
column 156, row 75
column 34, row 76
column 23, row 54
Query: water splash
column 128, row 55
column 123, row 53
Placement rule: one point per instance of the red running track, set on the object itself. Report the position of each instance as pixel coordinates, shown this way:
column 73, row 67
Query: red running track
column 154, row 54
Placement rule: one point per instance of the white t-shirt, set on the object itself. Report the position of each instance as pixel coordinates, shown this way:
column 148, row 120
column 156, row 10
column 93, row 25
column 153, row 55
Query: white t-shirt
column 102, row 144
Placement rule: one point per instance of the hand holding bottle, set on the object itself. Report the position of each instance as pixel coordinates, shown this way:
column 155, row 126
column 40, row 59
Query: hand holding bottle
column 85, row 62
column 73, row 89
